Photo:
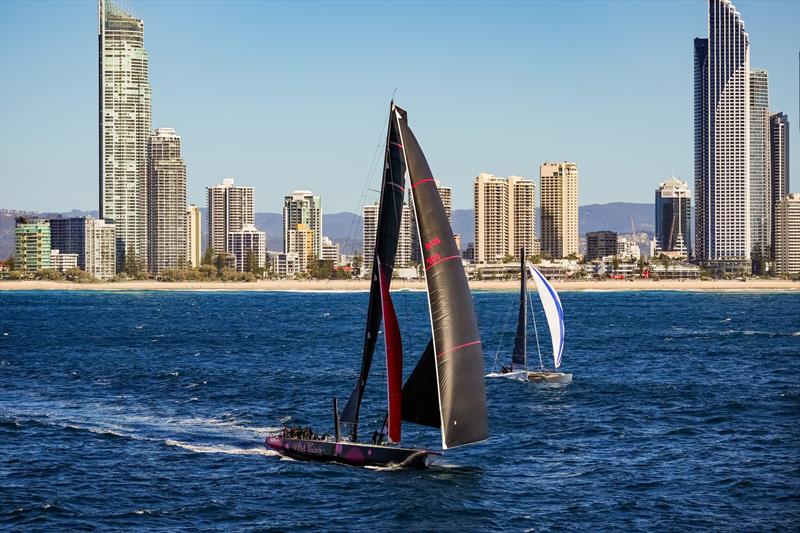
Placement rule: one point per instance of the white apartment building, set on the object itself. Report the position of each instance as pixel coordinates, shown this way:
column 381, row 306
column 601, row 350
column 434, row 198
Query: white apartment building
column 247, row 242
column 722, row 142
column 505, row 217
column 124, row 124
column 787, row 235
column 166, row 202
column 193, row 236
column 62, row 262
column 230, row 208
column 559, row 205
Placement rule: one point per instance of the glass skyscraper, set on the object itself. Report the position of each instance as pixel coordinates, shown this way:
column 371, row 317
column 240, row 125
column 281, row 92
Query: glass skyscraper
column 722, row 142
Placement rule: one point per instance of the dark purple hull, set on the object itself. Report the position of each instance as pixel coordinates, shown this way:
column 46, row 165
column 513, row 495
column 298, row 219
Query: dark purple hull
column 348, row 452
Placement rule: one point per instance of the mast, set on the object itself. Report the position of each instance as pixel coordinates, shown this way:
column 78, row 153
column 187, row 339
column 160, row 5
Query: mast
column 389, row 216
column 519, row 355
column 455, row 350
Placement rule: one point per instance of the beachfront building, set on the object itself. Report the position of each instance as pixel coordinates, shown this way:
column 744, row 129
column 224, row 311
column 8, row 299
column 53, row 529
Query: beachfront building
column 193, row 236
column 760, row 193
column 779, row 162
column 248, row 246
column 673, row 216
column 559, row 209
column 600, row 244
column 303, row 208
column 369, row 233
column 93, row 241
column 230, row 208
column 32, row 239
column 330, row 251
column 300, row 242
column 124, row 127
column 722, row 142
column 166, row 202
column 787, row 235
column 62, row 262
column 505, row 217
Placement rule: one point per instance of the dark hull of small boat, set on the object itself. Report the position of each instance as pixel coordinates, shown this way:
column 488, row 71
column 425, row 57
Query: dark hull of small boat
column 348, row 452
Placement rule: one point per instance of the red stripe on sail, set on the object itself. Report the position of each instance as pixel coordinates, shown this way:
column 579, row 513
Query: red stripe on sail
column 420, row 182
column 448, row 258
column 451, row 350
column 394, row 357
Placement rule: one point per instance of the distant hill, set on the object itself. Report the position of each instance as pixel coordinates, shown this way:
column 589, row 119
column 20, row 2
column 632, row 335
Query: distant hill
column 345, row 228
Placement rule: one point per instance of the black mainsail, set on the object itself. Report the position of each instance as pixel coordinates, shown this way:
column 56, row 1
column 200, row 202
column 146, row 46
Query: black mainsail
column 390, row 212
column 520, row 340
column 457, row 356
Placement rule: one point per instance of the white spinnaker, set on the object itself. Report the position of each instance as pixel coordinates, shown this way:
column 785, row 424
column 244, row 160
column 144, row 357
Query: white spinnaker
column 553, row 311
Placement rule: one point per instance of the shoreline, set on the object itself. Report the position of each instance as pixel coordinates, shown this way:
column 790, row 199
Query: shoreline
column 400, row 285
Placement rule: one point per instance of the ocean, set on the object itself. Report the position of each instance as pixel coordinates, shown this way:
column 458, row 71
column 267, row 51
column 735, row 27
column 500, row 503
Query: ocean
column 148, row 411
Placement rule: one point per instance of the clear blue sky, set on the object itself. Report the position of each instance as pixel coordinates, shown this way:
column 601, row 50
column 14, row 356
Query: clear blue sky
column 287, row 96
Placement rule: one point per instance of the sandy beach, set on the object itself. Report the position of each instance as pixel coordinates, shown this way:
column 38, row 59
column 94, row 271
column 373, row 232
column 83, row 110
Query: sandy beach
column 362, row 285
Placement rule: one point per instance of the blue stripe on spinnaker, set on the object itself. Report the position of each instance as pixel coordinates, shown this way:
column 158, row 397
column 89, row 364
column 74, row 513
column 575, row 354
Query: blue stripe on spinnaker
column 558, row 308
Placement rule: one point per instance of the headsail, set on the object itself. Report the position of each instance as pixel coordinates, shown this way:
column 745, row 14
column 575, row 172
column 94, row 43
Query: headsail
column 394, row 355
column 553, row 311
column 521, row 339
column 456, row 341
column 388, row 232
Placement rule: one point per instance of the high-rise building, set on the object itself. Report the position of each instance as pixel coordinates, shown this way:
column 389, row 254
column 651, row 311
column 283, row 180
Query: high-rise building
column 760, row 192
column 600, row 244
column 522, row 216
column 229, row 209
column 245, row 244
column 166, row 202
column 300, row 241
column 92, row 240
column 32, row 251
column 722, row 142
column 779, row 160
column 302, row 207
column 193, row 236
column 559, row 185
column 674, row 216
column 124, row 128
column 505, row 218
column 787, row 235
column 491, row 218
column 369, row 233
column 407, row 238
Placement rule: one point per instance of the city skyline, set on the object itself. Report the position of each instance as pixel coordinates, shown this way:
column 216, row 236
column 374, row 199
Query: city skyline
column 520, row 154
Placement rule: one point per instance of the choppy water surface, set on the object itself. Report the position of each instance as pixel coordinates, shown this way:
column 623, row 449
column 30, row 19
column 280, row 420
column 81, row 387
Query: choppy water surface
column 148, row 410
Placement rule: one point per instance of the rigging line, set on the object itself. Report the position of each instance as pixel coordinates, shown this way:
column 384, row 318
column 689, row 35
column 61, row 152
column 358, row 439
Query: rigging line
column 361, row 200
column 502, row 332
column 536, row 331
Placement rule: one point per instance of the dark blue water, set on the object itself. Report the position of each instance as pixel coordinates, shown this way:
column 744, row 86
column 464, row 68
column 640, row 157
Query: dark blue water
column 148, row 410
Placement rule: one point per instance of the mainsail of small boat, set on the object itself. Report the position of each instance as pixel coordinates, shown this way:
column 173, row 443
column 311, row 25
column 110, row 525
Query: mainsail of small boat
column 554, row 313
column 446, row 388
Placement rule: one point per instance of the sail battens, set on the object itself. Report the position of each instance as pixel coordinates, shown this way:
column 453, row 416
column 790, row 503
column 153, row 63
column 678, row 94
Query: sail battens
column 451, row 350
column 420, row 182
